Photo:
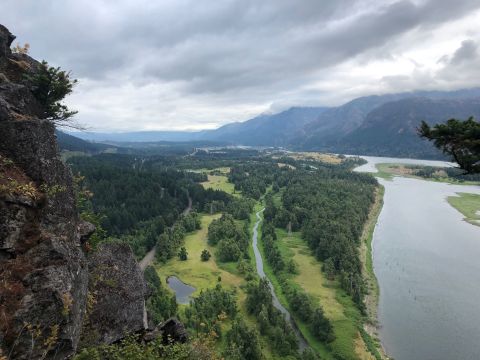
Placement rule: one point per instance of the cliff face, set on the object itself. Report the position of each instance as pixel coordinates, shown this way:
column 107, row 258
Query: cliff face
column 43, row 275
column 43, row 269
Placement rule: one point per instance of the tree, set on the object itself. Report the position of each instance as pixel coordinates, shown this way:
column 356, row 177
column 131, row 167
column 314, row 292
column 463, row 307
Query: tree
column 457, row 138
column 205, row 256
column 242, row 342
column 183, row 254
column 50, row 86
column 329, row 269
column 321, row 326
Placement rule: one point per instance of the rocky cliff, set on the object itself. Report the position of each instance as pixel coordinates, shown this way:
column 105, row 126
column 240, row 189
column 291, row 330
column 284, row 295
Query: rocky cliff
column 44, row 273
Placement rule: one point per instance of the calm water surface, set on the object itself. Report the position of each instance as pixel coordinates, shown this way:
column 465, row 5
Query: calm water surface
column 427, row 261
column 182, row 290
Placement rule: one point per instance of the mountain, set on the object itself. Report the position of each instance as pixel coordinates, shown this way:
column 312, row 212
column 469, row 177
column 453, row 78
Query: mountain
column 267, row 130
column 390, row 130
column 331, row 128
column 72, row 143
column 374, row 125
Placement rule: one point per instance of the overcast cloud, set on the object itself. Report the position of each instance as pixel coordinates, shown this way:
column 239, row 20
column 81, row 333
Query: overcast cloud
column 189, row 64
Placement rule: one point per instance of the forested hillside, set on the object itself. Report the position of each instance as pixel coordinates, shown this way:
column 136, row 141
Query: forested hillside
column 140, row 202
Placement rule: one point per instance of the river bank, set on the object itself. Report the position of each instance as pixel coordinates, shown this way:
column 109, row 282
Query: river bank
column 371, row 325
column 302, row 342
column 414, row 256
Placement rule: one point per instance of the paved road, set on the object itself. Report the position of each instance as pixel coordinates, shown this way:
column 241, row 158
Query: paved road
column 148, row 259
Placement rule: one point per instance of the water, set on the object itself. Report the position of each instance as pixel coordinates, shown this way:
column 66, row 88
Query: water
column 302, row 343
column 426, row 259
column 182, row 290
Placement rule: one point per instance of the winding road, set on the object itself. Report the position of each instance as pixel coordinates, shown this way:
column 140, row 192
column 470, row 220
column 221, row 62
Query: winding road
column 302, row 343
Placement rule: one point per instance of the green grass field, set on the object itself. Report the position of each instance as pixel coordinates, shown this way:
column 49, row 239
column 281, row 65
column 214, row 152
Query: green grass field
column 197, row 273
column 468, row 205
column 220, row 182
column 337, row 305
column 204, row 275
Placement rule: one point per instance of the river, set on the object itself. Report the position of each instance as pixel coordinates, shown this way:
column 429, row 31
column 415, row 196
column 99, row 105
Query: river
column 302, row 344
column 427, row 262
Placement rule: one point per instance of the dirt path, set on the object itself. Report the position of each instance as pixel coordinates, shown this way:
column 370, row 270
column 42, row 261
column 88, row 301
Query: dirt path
column 148, row 259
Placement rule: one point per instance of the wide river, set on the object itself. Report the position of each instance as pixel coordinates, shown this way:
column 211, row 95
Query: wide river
column 427, row 262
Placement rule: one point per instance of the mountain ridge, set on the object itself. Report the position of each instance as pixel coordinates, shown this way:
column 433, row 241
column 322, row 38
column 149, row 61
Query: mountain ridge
column 335, row 129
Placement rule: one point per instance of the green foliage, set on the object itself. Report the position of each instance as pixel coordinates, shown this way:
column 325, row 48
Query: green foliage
column 50, row 86
column 371, row 346
column 161, row 304
column 131, row 348
column 183, row 254
column 84, row 206
column 271, row 321
column 228, row 250
column 209, row 309
column 329, row 268
column 331, row 208
column 191, row 222
column 232, row 239
column 205, row 256
column 252, row 179
column 321, row 327
column 457, row 138
column 301, row 305
column 242, row 343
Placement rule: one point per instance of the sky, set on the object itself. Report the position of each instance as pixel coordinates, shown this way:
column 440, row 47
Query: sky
column 189, row 64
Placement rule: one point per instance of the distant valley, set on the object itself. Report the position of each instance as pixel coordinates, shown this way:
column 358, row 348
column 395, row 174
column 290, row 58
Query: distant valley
column 382, row 125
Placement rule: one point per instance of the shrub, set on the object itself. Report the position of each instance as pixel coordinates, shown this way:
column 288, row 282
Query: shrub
column 205, row 256
column 183, row 254
column 50, row 86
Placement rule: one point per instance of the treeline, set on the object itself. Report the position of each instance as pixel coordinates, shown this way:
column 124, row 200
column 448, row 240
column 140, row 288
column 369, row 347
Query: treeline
column 430, row 172
column 161, row 303
column 140, row 201
column 172, row 238
column 253, row 178
column 330, row 207
column 127, row 196
column 230, row 238
column 299, row 302
column 271, row 321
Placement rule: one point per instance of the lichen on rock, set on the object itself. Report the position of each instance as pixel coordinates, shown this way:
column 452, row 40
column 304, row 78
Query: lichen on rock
column 40, row 254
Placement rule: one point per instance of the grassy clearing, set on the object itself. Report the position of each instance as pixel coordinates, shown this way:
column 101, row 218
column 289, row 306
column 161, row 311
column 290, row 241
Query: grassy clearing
column 197, row 273
column 337, row 305
column 223, row 170
column 204, row 275
column 322, row 157
column 389, row 171
column 220, row 182
column 468, row 205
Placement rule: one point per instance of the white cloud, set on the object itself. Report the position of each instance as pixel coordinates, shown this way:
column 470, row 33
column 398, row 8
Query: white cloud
column 186, row 64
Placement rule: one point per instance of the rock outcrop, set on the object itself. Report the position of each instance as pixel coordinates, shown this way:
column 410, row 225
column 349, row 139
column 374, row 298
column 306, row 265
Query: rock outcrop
column 43, row 269
column 117, row 293
column 43, row 274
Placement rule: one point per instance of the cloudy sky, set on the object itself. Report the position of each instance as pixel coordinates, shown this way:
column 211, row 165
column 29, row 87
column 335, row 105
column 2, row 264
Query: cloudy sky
column 189, row 64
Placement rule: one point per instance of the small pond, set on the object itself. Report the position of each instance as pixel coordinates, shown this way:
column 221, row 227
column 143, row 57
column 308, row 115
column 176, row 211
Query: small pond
column 182, row 290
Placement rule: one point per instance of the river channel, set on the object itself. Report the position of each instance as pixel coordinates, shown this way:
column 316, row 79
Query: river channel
column 427, row 262
column 302, row 344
